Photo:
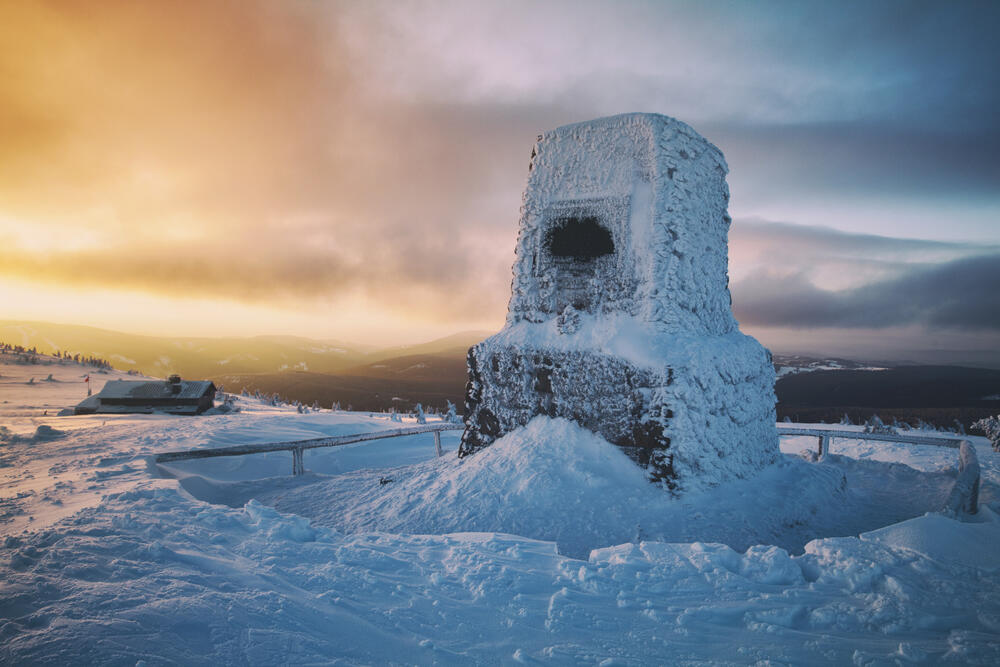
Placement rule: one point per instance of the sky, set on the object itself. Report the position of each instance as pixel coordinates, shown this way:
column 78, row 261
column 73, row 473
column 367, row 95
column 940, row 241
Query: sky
column 354, row 170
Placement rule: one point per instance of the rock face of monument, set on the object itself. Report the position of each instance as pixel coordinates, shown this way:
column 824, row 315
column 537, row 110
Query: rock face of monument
column 620, row 316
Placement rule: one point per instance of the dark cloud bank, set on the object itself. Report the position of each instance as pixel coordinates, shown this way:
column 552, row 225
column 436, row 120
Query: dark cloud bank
column 960, row 294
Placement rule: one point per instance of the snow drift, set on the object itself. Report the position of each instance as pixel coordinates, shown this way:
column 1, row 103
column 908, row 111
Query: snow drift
column 554, row 480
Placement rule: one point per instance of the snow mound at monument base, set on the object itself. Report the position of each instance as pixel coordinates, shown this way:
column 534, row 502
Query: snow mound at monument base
column 554, row 480
column 693, row 411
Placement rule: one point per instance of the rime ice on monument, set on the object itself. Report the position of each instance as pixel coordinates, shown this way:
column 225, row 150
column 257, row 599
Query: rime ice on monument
column 620, row 316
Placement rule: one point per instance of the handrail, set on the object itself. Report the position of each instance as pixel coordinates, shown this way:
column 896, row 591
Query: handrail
column 964, row 495
column 954, row 443
column 297, row 447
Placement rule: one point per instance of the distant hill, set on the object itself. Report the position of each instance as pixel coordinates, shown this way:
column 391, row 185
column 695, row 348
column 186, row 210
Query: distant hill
column 430, row 379
column 808, row 388
column 355, row 391
column 938, row 394
column 792, row 364
column 456, row 345
column 212, row 357
column 190, row 357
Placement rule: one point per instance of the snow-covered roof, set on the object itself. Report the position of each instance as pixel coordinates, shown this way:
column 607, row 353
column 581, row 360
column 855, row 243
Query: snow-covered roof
column 139, row 390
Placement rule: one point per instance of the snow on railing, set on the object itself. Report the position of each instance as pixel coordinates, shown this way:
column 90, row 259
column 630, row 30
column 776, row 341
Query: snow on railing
column 964, row 495
column 298, row 447
column 826, row 437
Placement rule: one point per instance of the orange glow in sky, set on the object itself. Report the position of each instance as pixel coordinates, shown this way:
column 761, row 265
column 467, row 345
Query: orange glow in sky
column 354, row 170
column 207, row 167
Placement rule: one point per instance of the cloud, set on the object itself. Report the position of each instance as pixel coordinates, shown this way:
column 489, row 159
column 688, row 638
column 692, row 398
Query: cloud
column 959, row 294
column 806, row 277
column 270, row 152
column 833, row 259
column 236, row 150
column 755, row 241
column 836, row 162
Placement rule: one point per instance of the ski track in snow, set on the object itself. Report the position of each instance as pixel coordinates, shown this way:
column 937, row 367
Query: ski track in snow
column 122, row 564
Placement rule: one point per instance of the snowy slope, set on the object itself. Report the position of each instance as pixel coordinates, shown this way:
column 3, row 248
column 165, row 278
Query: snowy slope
column 123, row 563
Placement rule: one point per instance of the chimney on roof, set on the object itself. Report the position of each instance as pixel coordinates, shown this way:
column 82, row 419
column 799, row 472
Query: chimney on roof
column 175, row 383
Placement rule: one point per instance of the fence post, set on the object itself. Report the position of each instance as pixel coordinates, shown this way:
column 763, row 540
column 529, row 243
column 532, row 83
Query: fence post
column 437, row 443
column 824, row 444
column 964, row 495
column 298, row 463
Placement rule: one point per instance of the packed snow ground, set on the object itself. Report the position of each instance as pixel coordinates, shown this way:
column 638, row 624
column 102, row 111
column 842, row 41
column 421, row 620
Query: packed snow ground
column 107, row 558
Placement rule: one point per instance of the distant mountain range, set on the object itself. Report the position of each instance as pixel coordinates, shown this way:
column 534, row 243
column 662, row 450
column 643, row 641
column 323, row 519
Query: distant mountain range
column 432, row 373
column 303, row 369
column 785, row 365
column 197, row 358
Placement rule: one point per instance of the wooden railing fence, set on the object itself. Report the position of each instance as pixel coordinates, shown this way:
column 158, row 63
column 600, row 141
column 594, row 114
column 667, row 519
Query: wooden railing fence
column 298, row 447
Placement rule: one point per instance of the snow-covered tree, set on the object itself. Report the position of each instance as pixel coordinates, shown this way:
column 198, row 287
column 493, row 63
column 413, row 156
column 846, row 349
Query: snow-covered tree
column 421, row 417
column 990, row 427
column 451, row 416
column 876, row 425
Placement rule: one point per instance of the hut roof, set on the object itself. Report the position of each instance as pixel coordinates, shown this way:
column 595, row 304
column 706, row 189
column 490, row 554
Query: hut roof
column 132, row 389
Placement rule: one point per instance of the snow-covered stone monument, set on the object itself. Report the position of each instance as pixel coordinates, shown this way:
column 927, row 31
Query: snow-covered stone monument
column 620, row 316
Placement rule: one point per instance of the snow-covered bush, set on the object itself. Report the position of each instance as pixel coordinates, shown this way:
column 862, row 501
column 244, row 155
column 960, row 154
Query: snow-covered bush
column 227, row 405
column 876, row 425
column 419, row 411
column 451, row 416
column 990, row 427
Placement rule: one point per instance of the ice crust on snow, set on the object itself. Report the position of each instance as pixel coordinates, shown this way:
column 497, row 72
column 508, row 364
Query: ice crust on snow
column 620, row 316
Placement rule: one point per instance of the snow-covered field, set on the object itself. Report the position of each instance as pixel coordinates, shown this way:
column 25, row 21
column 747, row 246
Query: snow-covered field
column 549, row 547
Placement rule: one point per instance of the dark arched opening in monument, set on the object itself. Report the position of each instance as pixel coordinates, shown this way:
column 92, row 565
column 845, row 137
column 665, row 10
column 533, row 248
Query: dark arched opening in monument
column 580, row 239
column 578, row 249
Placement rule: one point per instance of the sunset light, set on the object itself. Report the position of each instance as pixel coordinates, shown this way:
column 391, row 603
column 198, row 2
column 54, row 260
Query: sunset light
column 494, row 332
column 354, row 170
